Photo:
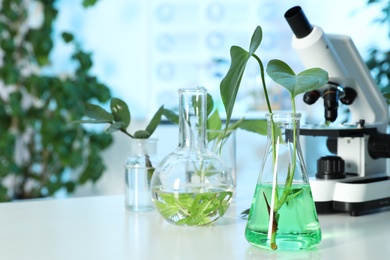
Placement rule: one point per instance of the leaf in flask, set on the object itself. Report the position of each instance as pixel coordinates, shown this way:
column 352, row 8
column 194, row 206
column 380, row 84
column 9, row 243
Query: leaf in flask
column 171, row 116
column 154, row 122
column 141, row 134
column 210, row 104
column 231, row 82
column 214, row 123
column 115, row 127
column 305, row 81
column 254, row 125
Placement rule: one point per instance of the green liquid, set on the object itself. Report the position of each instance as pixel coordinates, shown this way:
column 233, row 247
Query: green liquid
column 192, row 208
column 297, row 225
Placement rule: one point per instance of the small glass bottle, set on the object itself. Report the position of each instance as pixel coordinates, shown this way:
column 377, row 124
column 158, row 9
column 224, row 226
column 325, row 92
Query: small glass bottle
column 139, row 168
column 192, row 186
column 283, row 214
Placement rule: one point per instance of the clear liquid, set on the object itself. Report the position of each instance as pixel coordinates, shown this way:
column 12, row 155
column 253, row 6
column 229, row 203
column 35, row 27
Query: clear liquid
column 192, row 208
column 298, row 226
column 137, row 188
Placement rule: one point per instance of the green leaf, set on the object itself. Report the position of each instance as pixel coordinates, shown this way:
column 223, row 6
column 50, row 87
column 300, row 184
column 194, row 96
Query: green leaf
column 255, row 40
column 214, row 122
column 385, row 90
column 155, row 121
column 142, row 134
column 98, row 113
column 305, row 81
column 90, row 121
column 120, row 111
column 235, row 125
column 214, row 125
column 117, row 126
column 89, row 3
column 171, row 116
column 256, row 126
column 231, row 82
column 210, row 104
column 68, row 37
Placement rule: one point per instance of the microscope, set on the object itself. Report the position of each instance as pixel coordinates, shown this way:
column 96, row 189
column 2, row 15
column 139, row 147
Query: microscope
column 352, row 177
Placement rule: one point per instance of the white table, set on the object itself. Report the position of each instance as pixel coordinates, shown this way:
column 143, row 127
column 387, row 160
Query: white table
column 100, row 228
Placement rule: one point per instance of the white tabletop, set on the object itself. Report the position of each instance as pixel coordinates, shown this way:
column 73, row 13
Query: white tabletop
column 100, row 228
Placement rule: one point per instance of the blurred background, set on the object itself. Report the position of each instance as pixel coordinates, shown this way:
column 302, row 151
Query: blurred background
column 144, row 51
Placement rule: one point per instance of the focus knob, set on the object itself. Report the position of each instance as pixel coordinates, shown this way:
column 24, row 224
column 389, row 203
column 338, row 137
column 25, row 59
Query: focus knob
column 330, row 168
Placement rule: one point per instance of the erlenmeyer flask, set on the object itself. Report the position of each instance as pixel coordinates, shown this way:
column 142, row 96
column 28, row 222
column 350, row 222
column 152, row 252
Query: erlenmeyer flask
column 283, row 214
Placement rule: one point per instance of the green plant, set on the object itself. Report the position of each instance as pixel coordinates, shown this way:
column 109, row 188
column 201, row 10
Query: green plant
column 196, row 210
column 379, row 60
column 41, row 152
column 219, row 131
column 119, row 118
column 281, row 73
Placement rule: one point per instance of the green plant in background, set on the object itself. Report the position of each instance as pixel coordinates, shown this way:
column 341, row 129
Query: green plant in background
column 379, row 60
column 282, row 74
column 41, row 151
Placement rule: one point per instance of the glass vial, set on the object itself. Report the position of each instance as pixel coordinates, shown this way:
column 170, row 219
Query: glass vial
column 192, row 186
column 139, row 168
column 283, row 214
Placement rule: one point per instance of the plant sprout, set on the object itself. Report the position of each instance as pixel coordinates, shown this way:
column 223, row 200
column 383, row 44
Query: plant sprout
column 119, row 118
column 282, row 74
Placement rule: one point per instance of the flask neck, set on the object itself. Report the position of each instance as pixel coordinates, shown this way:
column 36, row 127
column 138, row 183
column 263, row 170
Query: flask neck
column 287, row 123
column 192, row 118
column 143, row 146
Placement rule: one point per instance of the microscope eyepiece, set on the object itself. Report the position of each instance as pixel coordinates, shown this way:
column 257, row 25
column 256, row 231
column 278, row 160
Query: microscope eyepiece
column 311, row 97
column 350, row 96
column 298, row 22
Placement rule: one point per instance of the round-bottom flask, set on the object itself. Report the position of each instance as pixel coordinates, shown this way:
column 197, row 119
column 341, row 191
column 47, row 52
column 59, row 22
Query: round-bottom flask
column 192, row 186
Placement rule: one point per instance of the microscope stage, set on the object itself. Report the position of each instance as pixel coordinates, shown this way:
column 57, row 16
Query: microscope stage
column 339, row 131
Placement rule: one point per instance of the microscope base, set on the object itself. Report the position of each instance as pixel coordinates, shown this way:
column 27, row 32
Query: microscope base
column 358, row 208
column 355, row 195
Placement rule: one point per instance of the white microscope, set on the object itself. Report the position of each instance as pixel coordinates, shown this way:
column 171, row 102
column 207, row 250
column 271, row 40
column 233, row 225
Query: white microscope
column 353, row 177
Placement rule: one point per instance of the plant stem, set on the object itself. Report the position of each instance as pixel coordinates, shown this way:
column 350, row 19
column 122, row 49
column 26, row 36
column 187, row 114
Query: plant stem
column 290, row 176
column 276, row 207
column 263, row 83
column 126, row 133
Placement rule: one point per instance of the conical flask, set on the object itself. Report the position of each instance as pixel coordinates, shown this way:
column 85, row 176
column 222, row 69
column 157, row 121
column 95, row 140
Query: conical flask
column 283, row 214
column 192, row 186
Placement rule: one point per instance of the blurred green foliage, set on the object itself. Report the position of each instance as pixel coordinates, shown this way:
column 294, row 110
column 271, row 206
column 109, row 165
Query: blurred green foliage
column 41, row 150
column 379, row 60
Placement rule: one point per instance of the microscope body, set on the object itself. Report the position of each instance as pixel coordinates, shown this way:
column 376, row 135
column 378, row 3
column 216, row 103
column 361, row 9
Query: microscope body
column 354, row 178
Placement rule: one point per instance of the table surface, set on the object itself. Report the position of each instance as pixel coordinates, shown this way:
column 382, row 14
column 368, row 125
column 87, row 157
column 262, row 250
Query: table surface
column 100, row 228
